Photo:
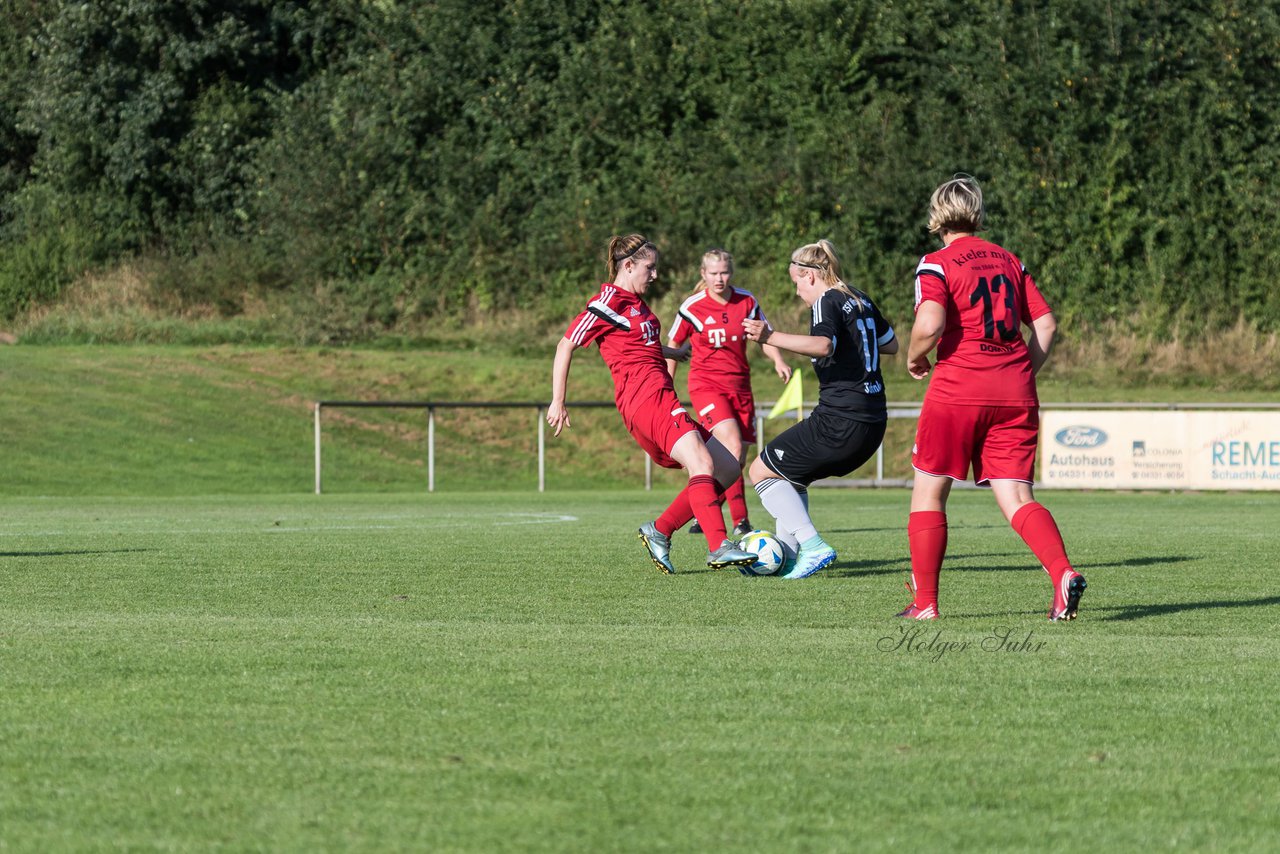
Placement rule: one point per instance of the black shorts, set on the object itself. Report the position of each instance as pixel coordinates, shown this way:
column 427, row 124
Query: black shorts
column 822, row 446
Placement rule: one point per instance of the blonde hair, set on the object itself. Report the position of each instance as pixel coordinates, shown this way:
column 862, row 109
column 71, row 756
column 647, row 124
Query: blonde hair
column 821, row 256
column 625, row 248
column 957, row 206
column 713, row 255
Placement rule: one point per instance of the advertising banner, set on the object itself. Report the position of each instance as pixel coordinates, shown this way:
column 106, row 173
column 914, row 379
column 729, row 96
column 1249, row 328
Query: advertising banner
column 1160, row 449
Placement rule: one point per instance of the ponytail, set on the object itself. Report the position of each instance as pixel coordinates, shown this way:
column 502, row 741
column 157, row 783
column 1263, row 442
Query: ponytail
column 624, row 248
column 821, row 256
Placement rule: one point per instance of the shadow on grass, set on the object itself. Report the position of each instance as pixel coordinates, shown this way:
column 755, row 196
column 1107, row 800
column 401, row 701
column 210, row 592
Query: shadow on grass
column 1023, row 561
column 1141, row 612
column 901, row 528
column 1153, row 560
column 73, row 552
column 850, row 568
column 863, row 568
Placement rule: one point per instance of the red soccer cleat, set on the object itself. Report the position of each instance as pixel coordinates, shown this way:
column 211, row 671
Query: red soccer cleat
column 1066, row 596
column 929, row 612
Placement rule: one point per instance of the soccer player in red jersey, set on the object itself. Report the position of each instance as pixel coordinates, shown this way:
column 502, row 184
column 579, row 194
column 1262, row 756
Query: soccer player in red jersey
column 629, row 336
column 846, row 336
column 981, row 408
column 710, row 321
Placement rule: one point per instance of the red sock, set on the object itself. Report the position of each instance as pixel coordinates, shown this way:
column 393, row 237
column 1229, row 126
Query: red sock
column 704, row 498
column 927, row 535
column 1035, row 525
column 737, row 498
column 676, row 516
column 680, row 511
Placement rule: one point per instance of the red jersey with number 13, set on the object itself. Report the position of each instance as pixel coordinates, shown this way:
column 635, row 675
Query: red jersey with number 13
column 982, row 357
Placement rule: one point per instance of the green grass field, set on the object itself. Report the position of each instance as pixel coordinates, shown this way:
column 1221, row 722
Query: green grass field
column 196, row 654
column 471, row 671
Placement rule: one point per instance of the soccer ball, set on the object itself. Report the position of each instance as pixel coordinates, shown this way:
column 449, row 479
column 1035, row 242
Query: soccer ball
column 768, row 552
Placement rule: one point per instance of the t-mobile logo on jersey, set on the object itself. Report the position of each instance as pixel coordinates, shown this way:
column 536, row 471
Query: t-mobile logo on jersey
column 717, row 336
column 649, row 331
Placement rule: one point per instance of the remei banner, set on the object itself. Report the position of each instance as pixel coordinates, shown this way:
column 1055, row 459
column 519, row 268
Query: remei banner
column 1174, row 449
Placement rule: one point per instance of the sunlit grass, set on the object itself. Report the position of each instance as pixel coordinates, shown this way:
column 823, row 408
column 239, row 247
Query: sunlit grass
column 506, row 671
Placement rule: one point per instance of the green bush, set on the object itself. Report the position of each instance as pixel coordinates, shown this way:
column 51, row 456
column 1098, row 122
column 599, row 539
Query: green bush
column 51, row 240
column 413, row 162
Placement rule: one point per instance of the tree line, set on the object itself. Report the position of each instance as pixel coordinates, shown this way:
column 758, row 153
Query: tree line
column 442, row 160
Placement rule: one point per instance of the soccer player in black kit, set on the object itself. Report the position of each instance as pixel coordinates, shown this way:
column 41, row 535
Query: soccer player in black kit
column 846, row 336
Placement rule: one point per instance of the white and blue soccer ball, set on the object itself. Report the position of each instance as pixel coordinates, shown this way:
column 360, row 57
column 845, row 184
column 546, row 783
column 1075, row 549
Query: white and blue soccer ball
column 768, row 551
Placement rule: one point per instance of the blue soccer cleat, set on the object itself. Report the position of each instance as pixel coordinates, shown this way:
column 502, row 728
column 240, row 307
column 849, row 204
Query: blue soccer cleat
column 807, row 563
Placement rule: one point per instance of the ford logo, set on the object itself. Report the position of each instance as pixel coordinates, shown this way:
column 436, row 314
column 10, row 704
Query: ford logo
column 1080, row 437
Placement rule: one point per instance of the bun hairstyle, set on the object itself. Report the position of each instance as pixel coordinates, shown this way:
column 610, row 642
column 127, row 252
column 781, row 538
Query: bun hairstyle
column 625, row 248
column 957, row 206
column 714, row 255
column 822, row 257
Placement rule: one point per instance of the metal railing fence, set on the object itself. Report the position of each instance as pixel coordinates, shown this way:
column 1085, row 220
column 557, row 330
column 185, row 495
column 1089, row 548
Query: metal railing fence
column 896, row 410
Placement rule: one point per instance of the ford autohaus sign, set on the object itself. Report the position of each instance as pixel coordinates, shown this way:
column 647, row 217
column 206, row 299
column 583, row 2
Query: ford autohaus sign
column 1080, row 437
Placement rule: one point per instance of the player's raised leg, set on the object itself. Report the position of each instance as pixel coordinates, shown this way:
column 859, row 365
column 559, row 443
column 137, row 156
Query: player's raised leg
column 1036, row 526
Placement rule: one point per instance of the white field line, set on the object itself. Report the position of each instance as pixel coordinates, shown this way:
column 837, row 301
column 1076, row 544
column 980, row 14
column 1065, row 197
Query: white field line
column 108, row 527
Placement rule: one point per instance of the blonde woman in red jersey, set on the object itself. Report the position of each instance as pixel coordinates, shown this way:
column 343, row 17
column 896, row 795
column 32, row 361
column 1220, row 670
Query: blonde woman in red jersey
column 981, row 409
column 629, row 336
column 710, row 321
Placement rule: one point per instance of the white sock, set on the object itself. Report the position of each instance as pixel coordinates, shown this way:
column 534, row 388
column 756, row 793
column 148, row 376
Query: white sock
column 789, row 509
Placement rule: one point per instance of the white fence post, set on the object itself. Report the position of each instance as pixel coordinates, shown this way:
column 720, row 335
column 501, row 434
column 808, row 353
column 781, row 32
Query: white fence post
column 542, row 449
column 317, row 432
column 431, row 449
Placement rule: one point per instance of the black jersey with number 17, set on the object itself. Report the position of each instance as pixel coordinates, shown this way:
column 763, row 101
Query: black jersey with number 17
column 850, row 383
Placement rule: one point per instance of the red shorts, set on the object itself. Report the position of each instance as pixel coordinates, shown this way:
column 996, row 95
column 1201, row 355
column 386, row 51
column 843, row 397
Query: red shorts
column 714, row 407
column 657, row 422
column 998, row 441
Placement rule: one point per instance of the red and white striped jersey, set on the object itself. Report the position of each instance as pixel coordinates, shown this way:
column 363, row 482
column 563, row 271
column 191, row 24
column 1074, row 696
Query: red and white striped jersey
column 629, row 336
column 719, row 359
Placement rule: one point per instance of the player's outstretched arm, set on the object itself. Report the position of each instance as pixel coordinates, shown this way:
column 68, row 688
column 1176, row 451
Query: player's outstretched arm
column 812, row 346
column 557, row 412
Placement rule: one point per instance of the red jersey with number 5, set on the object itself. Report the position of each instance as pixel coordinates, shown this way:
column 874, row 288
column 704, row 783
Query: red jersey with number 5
column 982, row 357
column 719, row 361
column 628, row 335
